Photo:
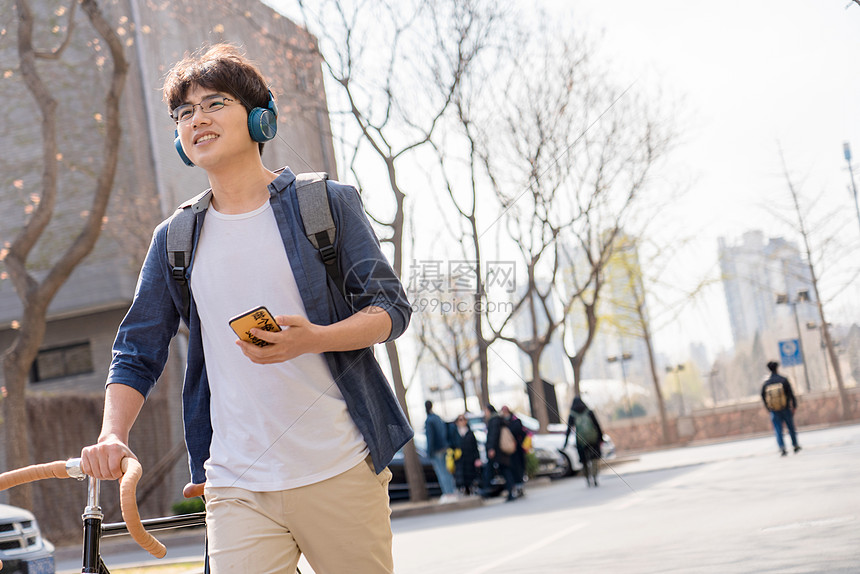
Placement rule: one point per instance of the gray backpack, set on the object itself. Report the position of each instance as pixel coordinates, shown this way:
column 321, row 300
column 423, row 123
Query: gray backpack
column 312, row 194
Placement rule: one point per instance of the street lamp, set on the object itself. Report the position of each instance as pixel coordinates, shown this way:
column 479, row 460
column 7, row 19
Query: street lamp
column 677, row 370
column 620, row 359
column 846, row 150
column 782, row 299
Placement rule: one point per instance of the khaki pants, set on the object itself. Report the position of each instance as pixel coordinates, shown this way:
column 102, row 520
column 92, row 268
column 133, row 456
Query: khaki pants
column 342, row 525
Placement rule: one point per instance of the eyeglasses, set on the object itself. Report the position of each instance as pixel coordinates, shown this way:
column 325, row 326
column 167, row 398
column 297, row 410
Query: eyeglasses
column 209, row 105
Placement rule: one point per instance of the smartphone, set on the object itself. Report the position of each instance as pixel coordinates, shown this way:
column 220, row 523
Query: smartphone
column 258, row 317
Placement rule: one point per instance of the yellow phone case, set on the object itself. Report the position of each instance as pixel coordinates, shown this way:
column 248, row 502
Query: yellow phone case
column 259, row 318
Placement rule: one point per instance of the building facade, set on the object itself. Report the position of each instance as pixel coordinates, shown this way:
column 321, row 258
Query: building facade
column 755, row 273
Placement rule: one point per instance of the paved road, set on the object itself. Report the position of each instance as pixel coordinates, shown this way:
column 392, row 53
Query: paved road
column 730, row 508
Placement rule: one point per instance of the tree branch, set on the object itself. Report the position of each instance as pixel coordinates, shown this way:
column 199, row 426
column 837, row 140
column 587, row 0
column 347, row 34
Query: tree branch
column 56, row 53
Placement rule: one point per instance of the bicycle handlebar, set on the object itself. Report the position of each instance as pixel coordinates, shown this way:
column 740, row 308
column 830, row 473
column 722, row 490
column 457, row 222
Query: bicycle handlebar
column 131, row 473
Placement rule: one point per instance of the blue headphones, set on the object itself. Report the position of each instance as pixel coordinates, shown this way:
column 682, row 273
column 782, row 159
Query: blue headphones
column 262, row 126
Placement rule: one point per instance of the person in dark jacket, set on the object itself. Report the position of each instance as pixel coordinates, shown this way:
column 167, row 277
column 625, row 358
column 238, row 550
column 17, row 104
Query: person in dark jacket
column 437, row 449
column 497, row 459
column 589, row 437
column 781, row 403
column 518, row 459
column 468, row 464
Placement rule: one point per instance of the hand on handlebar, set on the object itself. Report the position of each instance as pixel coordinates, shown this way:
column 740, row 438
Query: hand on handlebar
column 103, row 460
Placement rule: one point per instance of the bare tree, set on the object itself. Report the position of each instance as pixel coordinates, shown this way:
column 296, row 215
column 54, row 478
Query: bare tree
column 806, row 234
column 610, row 187
column 581, row 155
column 392, row 115
column 446, row 333
column 461, row 167
column 36, row 292
column 528, row 163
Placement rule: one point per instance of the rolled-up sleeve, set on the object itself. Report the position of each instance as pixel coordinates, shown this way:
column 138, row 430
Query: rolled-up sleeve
column 369, row 279
column 142, row 342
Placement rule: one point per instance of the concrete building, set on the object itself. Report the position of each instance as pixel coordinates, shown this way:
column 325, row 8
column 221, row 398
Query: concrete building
column 754, row 273
column 151, row 180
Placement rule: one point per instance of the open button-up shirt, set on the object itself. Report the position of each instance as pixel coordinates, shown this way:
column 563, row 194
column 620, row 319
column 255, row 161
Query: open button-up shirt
column 141, row 347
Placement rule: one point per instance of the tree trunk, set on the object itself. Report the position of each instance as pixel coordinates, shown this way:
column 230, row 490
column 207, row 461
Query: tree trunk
column 576, row 366
column 661, row 405
column 16, row 366
column 834, row 359
column 538, row 396
column 15, row 424
column 411, row 462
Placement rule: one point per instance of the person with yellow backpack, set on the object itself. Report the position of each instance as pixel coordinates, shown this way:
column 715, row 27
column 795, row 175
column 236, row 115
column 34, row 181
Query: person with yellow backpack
column 781, row 403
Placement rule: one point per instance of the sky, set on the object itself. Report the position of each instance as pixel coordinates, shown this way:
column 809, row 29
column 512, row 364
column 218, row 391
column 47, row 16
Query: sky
column 749, row 80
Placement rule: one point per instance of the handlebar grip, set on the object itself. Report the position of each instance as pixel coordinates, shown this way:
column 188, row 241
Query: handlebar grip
column 56, row 469
column 131, row 473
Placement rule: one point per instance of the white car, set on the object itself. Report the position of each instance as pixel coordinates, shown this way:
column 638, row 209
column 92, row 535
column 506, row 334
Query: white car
column 22, row 548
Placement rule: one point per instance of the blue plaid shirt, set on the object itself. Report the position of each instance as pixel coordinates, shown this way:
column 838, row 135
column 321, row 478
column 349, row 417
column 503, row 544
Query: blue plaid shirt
column 141, row 347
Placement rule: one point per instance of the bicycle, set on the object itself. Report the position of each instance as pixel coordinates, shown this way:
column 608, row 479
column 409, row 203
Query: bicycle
column 93, row 517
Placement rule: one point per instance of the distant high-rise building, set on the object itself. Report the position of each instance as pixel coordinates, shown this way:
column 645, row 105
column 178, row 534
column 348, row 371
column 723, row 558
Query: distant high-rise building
column 754, row 274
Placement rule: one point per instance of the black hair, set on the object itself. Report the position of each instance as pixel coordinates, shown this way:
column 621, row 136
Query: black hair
column 222, row 68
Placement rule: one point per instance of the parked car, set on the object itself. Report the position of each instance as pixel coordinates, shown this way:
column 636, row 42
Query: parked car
column 551, row 462
column 553, row 439
column 22, row 548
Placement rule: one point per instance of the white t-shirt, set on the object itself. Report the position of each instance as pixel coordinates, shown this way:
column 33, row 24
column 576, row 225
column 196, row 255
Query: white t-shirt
column 274, row 426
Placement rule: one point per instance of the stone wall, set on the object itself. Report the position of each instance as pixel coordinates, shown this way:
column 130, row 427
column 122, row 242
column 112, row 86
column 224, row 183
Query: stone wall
column 814, row 409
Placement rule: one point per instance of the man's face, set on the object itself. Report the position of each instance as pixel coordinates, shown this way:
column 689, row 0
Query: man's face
column 213, row 140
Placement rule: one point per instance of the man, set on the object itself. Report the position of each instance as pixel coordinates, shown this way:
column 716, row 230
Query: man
column 781, row 403
column 437, row 449
column 291, row 439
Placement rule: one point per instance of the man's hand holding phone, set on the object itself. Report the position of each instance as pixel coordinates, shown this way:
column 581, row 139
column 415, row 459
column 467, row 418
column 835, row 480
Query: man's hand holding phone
column 266, row 339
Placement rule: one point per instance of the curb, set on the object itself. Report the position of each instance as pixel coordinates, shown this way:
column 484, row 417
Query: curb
column 409, row 509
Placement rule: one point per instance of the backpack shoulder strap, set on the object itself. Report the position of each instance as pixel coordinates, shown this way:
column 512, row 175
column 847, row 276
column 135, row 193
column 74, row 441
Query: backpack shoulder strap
column 315, row 210
column 180, row 242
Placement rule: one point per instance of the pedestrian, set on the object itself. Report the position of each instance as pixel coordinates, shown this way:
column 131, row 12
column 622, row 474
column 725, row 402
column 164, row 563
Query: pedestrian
column 289, row 441
column 780, row 402
column 588, row 436
column 498, row 460
column 437, row 449
column 518, row 459
column 467, row 466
